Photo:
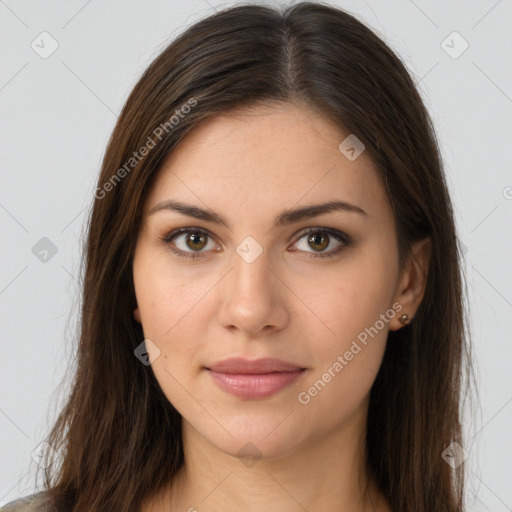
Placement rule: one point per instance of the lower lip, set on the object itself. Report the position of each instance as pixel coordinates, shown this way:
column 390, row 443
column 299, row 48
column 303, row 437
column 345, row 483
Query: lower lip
column 254, row 386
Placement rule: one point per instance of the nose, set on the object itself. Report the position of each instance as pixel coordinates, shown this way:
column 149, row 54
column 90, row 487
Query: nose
column 253, row 298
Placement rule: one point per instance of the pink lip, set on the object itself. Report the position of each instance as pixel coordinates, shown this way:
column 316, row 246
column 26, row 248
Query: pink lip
column 254, row 379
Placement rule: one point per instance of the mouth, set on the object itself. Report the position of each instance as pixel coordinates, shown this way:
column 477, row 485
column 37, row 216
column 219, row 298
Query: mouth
column 253, row 380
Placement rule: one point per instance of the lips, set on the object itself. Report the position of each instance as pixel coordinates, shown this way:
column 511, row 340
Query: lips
column 252, row 380
column 257, row 366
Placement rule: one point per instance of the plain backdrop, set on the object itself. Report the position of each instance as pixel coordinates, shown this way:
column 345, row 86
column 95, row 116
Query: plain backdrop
column 57, row 113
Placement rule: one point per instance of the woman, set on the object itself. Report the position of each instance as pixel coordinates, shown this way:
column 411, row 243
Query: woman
column 272, row 302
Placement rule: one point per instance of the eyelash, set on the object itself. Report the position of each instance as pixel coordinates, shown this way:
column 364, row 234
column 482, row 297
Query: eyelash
column 338, row 235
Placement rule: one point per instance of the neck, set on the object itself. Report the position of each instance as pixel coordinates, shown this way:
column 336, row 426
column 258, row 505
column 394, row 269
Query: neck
column 322, row 475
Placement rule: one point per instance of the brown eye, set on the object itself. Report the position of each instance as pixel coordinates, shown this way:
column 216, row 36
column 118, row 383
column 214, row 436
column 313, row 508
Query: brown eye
column 196, row 240
column 189, row 242
column 323, row 242
column 320, row 240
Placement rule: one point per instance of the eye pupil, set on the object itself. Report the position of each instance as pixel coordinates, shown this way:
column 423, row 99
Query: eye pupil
column 315, row 239
column 196, row 238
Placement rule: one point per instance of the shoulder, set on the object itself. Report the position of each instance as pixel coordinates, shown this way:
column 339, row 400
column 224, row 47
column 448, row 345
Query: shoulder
column 31, row 503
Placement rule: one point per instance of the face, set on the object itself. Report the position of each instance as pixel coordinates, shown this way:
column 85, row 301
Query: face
column 318, row 292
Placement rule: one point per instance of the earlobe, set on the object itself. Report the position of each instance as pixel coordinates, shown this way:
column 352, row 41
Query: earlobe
column 404, row 319
column 136, row 315
column 413, row 283
column 401, row 319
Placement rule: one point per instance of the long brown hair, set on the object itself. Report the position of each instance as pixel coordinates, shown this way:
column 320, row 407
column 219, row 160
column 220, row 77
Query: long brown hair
column 118, row 435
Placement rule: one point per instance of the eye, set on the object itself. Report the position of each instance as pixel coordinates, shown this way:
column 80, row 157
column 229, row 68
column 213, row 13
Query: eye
column 190, row 242
column 321, row 238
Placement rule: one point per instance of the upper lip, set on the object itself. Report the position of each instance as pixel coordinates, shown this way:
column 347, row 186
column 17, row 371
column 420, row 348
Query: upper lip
column 256, row 366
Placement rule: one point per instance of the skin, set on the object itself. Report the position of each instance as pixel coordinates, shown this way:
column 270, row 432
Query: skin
column 249, row 165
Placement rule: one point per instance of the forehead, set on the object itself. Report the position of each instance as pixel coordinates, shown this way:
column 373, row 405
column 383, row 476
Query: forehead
column 266, row 155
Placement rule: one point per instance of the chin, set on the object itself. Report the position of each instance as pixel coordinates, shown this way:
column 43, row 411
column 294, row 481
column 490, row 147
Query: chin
column 267, row 437
column 251, row 449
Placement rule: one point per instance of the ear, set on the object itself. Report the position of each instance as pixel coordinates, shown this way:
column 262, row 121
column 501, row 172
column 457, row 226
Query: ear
column 413, row 282
column 136, row 314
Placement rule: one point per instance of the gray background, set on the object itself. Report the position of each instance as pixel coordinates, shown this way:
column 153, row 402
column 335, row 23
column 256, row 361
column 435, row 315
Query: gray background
column 58, row 112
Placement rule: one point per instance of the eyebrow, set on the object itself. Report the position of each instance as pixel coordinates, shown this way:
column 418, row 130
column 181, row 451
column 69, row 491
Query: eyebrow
column 287, row 217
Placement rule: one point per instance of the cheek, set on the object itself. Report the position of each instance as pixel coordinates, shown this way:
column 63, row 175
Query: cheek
column 350, row 348
column 171, row 312
column 164, row 294
column 346, row 300
column 170, row 308
column 347, row 363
